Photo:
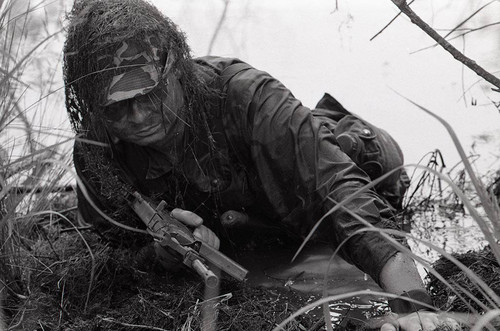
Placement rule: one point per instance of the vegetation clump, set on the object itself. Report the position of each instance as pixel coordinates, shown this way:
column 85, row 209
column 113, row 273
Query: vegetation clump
column 77, row 281
column 482, row 263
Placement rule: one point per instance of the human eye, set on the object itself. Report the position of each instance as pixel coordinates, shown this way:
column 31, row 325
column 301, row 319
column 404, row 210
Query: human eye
column 152, row 98
column 115, row 111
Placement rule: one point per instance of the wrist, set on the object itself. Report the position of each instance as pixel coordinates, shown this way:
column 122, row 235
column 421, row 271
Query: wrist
column 401, row 306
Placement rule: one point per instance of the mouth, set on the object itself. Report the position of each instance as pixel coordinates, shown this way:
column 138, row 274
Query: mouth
column 148, row 131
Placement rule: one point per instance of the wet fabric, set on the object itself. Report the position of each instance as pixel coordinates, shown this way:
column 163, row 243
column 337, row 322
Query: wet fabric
column 274, row 159
column 370, row 147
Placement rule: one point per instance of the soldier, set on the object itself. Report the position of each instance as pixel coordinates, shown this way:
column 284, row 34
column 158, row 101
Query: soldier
column 214, row 134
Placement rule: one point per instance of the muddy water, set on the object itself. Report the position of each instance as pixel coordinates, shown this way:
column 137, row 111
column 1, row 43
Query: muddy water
column 303, row 281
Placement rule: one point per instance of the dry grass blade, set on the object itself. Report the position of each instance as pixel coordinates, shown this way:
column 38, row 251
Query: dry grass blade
column 492, row 211
column 486, row 319
column 338, row 206
column 26, row 58
column 24, row 35
column 92, row 270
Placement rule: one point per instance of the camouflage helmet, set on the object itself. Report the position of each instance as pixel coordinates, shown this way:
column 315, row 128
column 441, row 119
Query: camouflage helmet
column 138, row 71
column 114, row 50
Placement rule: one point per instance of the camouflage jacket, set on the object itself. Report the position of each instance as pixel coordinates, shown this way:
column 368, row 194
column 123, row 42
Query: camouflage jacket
column 274, row 159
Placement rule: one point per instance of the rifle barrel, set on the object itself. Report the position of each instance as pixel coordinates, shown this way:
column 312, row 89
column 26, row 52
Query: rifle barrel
column 211, row 280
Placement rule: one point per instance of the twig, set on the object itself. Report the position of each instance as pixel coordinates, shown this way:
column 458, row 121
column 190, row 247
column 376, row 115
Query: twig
column 390, row 22
column 76, row 229
column 62, row 303
column 415, row 19
column 147, row 327
column 41, row 189
column 468, row 18
column 219, row 26
column 68, row 209
column 19, row 296
column 470, row 30
column 15, row 326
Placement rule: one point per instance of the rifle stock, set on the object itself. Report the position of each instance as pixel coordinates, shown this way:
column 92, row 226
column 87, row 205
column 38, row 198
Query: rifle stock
column 174, row 234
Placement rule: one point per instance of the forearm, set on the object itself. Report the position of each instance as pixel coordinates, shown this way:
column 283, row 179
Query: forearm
column 400, row 274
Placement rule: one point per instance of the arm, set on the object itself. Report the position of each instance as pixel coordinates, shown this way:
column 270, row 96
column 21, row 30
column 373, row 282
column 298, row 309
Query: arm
column 301, row 169
column 399, row 274
column 294, row 153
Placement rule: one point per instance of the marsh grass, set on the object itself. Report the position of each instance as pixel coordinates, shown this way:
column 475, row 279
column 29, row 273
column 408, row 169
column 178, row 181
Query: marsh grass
column 28, row 184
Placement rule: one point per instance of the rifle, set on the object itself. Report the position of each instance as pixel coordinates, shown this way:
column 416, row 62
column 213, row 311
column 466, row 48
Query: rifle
column 173, row 234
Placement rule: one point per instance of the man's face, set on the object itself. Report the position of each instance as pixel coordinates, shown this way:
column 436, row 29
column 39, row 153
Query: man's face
column 151, row 119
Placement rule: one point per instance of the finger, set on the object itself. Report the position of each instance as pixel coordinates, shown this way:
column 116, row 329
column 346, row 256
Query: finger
column 388, row 327
column 450, row 322
column 377, row 322
column 213, row 240
column 200, row 234
column 216, row 243
column 187, row 217
column 419, row 321
column 430, row 322
column 426, row 321
column 207, row 236
column 428, row 325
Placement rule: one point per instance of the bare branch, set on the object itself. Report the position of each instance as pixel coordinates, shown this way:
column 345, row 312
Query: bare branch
column 459, row 56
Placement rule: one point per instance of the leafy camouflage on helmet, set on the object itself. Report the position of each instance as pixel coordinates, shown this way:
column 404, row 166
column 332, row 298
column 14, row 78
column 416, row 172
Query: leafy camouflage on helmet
column 97, row 29
column 140, row 71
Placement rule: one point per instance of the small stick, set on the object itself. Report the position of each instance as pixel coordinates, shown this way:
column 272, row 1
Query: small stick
column 404, row 7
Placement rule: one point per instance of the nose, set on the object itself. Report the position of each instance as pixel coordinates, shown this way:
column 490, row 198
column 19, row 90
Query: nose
column 137, row 114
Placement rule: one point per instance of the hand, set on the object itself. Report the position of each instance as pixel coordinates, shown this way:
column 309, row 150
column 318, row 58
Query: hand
column 417, row 321
column 200, row 232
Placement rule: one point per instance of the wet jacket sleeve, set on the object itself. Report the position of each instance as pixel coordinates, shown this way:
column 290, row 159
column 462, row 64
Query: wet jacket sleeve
column 300, row 167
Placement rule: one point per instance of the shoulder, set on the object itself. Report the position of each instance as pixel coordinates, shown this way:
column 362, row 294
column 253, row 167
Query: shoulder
column 216, row 63
column 236, row 74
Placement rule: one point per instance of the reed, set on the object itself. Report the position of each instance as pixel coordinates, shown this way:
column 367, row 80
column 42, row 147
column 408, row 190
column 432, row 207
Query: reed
column 28, row 185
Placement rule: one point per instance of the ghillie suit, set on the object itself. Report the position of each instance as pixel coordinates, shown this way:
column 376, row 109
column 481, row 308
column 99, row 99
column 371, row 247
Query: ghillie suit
column 96, row 31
